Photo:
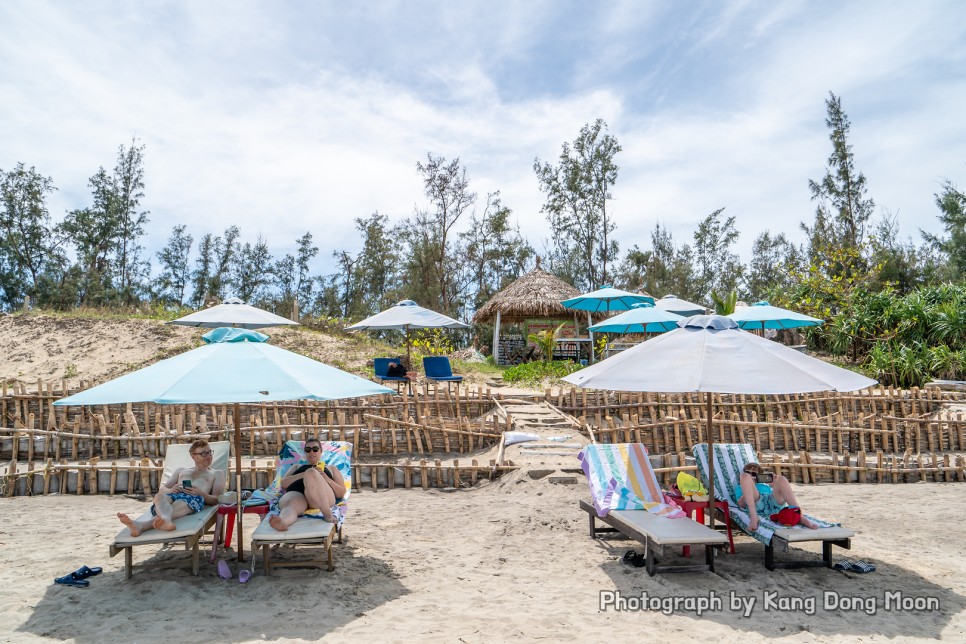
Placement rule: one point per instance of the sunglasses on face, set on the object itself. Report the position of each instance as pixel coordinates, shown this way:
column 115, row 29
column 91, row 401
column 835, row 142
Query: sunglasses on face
column 205, row 453
column 313, row 449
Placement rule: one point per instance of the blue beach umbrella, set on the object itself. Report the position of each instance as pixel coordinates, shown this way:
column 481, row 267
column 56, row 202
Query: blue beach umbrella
column 642, row 318
column 605, row 299
column 235, row 366
column 674, row 304
column 762, row 315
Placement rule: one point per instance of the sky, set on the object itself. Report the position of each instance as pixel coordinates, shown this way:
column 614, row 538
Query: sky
column 285, row 117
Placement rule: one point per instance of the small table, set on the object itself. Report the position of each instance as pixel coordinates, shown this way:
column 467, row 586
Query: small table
column 696, row 509
column 230, row 511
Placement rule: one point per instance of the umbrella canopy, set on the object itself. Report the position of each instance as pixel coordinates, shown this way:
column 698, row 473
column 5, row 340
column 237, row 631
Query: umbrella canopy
column 762, row 315
column 641, row 318
column 233, row 312
column 235, row 366
column 674, row 304
column 405, row 316
column 709, row 353
column 606, row 298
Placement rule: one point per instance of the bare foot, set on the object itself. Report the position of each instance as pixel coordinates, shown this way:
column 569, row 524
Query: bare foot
column 753, row 524
column 276, row 522
column 808, row 524
column 329, row 517
column 129, row 522
column 160, row 524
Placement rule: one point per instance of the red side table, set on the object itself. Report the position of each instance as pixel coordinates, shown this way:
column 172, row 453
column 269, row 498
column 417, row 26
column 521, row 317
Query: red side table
column 695, row 509
column 231, row 512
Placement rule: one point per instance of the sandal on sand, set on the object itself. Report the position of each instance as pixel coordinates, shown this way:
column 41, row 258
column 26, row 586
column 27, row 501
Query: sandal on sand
column 635, row 559
column 843, row 565
column 84, row 572
column 244, row 576
column 71, row 580
column 223, row 570
column 861, row 566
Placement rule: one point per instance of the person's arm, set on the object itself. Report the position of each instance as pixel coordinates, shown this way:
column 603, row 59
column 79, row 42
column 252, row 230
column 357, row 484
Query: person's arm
column 217, row 487
column 337, row 483
column 173, row 484
column 290, row 478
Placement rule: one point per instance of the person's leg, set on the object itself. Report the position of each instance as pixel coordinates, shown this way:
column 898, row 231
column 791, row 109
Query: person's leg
column 291, row 505
column 318, row 494
column 136, row 527
column 749, row 497
column 782, row 492
column 175, row 510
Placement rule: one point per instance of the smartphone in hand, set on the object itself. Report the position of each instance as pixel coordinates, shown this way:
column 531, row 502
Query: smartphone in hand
column 186, row 483
column 766, row 477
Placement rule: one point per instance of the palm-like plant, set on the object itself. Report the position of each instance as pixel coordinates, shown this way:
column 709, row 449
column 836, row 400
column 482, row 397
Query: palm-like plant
column 546, row 341
column 724, row 305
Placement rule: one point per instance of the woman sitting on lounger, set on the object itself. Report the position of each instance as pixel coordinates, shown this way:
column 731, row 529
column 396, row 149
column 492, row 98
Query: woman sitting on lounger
column 768, row 499
column 309, row 486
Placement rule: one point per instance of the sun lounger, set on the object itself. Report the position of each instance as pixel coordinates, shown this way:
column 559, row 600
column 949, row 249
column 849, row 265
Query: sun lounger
column 438, row 369
column 626, row 496
column 380, row 368
column 307, row 530
column 730, row 459
column 189, row 529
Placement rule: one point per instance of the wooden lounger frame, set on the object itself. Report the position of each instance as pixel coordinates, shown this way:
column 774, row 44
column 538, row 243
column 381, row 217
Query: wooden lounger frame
column 325, row 560
column 191, row 542
column 654, row 547
column 781, row 545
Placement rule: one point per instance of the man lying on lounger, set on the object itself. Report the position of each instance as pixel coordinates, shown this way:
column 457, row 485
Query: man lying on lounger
column 188, row 491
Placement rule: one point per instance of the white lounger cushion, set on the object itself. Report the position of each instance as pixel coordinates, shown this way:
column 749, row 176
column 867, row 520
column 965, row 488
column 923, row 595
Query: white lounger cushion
column 664, row 531
column 186, row 526
column 792, row 535
column 303, row 529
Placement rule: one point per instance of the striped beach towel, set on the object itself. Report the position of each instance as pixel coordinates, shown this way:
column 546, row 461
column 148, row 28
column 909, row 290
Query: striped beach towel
column 729, row 461
column 621, row 478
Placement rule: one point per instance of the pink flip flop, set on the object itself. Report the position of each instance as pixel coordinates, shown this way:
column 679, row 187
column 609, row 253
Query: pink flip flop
column 224, row 571
column 244, row 576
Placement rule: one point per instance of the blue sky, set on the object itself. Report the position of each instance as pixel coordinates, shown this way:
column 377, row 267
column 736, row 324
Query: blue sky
column 283, row 117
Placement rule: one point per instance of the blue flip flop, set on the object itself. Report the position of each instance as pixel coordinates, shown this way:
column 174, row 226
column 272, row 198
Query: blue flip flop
column 223, row 570
column 71, row 580
column 84, row 572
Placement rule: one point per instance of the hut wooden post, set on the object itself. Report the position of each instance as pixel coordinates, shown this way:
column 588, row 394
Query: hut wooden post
column 496, row 339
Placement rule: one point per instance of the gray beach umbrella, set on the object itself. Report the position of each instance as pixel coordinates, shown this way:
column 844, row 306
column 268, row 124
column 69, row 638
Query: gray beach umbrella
column 404, row 316
column 710, row 354
column 233, row 313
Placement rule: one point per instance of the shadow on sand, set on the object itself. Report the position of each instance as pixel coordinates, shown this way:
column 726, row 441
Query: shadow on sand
column 296, row 603
column 798, row 596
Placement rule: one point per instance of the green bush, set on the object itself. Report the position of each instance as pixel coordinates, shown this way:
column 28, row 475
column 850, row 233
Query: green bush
column 536, row 372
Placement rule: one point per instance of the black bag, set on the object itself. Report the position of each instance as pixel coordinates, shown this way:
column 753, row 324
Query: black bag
column 396, row 370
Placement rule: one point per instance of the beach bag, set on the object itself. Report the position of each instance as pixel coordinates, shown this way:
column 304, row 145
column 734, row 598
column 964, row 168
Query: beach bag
column 691, row 487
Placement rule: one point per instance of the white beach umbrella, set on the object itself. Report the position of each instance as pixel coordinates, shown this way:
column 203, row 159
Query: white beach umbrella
column 710, row 354
column 404, row 316
column 233, row 313
column 674, row 304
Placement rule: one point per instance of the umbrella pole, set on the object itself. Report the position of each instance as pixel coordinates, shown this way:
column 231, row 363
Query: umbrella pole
column 239, row 510
column 710, row 462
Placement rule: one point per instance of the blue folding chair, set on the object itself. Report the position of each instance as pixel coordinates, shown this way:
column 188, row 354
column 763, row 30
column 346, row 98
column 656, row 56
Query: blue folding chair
column 438, row 369
column 381, row 368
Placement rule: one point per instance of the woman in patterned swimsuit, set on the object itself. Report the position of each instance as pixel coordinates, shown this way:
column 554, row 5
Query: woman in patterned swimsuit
column 768, row 499
column 309, row 486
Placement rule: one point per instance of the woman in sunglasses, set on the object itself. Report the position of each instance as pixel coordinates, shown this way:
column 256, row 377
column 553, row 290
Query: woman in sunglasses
column 313, row 485
column 768, row 498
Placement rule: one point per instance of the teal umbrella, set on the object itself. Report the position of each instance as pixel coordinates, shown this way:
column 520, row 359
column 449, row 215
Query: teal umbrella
column 762, row 315
column 606, row 298
column 235, row 366
column 642, row 318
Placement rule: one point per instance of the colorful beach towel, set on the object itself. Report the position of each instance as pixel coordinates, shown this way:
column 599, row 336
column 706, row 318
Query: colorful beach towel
column 336, row 453
column 621, row 478
column 730, row 460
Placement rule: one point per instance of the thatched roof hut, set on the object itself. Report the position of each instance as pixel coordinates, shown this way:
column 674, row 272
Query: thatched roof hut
column 535, row 295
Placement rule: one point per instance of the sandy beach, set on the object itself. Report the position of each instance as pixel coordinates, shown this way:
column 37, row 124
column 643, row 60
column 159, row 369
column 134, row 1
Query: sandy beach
column 509, row 560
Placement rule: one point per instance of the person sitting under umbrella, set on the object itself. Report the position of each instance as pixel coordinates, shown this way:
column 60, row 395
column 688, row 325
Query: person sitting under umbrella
column 312, row 485
column 768, row 499
column 188, row 491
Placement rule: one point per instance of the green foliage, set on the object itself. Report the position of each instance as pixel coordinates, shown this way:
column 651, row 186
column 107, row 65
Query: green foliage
column 577, row 192
column 546, row 341
column 431, row 342
column 724, row 305
column 535, row 372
